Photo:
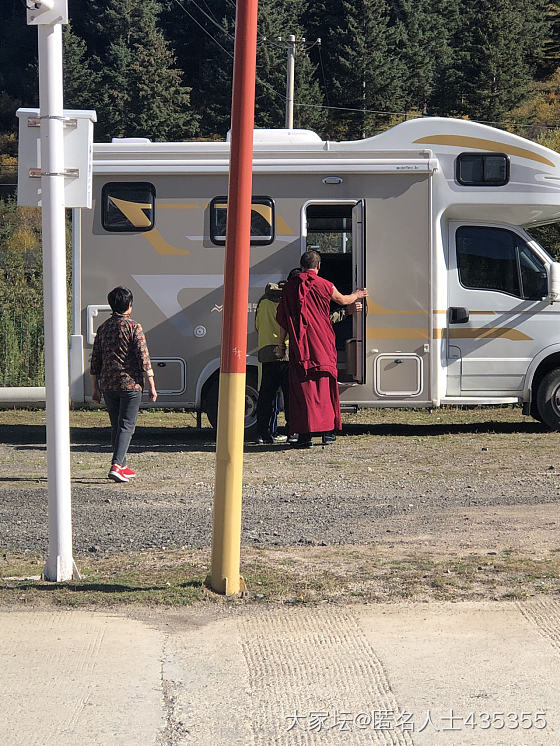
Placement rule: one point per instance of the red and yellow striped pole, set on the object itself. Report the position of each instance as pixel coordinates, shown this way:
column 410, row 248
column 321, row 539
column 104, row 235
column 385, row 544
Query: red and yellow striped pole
column 224, row 576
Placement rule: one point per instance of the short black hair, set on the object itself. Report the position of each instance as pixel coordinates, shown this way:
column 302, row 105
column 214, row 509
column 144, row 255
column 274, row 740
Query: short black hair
column 294, row 271
column 310, row 260
column 120, row 299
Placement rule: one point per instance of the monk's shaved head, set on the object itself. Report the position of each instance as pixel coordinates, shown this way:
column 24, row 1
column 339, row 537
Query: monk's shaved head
column 310, row 260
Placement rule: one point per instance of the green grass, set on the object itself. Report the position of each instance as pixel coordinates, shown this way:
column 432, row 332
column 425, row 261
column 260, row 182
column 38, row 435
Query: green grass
column 177, row 578
column 21, row 348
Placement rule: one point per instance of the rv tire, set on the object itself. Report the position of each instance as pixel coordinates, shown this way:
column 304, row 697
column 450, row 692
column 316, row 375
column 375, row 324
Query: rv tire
column 251, row 398
column 548, row 399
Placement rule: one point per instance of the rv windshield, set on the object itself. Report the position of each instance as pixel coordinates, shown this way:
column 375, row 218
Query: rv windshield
column 548, row 238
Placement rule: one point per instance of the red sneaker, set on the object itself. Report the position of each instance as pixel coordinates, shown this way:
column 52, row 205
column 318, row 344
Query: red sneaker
column 117, row 474
column 128, row 472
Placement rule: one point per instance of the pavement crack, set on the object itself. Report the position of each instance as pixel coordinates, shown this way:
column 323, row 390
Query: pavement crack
column 174, row 731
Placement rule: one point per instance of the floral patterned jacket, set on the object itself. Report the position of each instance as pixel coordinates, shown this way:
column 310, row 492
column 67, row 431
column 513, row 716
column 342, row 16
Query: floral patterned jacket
column 120, row 355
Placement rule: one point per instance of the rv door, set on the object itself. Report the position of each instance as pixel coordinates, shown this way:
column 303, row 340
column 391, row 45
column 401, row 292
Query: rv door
column 355, row 346
column 497, row 292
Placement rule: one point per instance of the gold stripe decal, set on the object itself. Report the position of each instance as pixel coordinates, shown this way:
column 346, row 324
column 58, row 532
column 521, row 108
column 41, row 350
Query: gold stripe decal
column 481, row 144
column 472, row 313
column 159, row 243
column 498, row 332
column 178, row 206
column 134, row 211
column 375, row 308
column 397, row 334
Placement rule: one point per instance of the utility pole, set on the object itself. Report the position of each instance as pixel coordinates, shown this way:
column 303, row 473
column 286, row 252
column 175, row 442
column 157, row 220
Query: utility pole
column 290, row 76
column 224, row 576
column 290, row 82
column 48, row 16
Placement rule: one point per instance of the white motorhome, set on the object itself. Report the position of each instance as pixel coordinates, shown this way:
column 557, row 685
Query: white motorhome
column 430, row 216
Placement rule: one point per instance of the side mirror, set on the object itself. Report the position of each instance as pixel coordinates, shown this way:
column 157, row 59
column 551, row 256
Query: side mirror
column 554, row 282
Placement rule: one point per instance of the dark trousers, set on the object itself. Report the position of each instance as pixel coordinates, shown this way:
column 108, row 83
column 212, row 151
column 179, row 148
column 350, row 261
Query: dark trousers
column 273, row 377
column 122, row 407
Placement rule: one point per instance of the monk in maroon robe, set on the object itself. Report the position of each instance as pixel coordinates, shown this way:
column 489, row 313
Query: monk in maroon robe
column 304, row 315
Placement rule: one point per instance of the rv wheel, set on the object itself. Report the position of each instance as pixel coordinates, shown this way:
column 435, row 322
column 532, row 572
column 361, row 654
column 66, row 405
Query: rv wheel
column 548, row 399
column 251, row 398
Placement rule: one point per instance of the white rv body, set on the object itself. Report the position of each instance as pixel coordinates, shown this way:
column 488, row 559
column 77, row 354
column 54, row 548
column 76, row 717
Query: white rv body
column 429, row 216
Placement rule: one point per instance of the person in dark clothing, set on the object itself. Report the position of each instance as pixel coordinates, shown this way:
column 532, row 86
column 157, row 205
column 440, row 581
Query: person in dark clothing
column 304, row 317
column 120, row 361
column 274, row 369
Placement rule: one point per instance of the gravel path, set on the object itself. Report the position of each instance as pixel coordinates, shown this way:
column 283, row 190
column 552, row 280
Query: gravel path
column 373, row 485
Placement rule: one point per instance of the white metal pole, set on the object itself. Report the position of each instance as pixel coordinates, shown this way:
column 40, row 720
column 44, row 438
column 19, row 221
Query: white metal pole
column 76, row 271
column 76, row 338
column 290, row 82
column 60, row 564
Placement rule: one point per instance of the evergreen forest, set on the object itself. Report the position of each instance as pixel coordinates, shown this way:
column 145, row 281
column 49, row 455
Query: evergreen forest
column 162, row 68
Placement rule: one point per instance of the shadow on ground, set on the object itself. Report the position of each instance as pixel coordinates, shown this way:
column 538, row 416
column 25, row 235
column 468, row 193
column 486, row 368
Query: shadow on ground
column 470, row 428
column 87, row 439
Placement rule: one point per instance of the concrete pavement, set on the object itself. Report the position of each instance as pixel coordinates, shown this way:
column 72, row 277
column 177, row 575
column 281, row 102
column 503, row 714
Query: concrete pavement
column 422, row 674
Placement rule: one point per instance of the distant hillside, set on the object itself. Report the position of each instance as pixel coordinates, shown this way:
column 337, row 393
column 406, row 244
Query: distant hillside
column 162, row 68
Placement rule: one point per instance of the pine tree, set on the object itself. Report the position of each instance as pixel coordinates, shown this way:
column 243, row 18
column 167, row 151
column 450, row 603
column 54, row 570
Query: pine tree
column 542, row 36
column 141, row 91
column 445, row 38
column 204, row 44
column 407, row 23
column 422, row 34
column 496, row 73
column 309, row 110
column 207, row 46
column 321, row 19
column 366, row 78
column 551, row 49
column 80, row 80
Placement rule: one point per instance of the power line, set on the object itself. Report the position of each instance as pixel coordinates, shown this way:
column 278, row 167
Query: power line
column 323, row 72
column 271, row 89
column 407, row 114
column 259, row 80
column 205, row 30
column 216, row 23
column 212, row 20
column 362, row 111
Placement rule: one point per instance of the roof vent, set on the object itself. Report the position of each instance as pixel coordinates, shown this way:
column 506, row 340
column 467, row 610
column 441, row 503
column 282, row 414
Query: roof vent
column 131, row 139
column 281, row 136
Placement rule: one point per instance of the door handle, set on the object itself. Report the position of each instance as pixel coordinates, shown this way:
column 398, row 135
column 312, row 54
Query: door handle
column 458, row 315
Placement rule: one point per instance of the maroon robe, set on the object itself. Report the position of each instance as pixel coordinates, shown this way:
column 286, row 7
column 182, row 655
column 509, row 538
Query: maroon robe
column 304, row 313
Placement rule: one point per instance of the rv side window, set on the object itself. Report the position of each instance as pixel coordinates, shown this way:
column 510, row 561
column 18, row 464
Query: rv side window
column 128, row 206
column 498, row 259
column 482, row 169
column 329, row 228
column 262, row 220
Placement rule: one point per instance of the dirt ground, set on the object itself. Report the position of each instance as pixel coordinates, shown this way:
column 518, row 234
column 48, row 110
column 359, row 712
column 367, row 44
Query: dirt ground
column 351, row 553
column 398, row 485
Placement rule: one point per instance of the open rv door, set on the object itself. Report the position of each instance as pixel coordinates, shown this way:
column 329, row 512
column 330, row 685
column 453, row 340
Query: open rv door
column 355, row 347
